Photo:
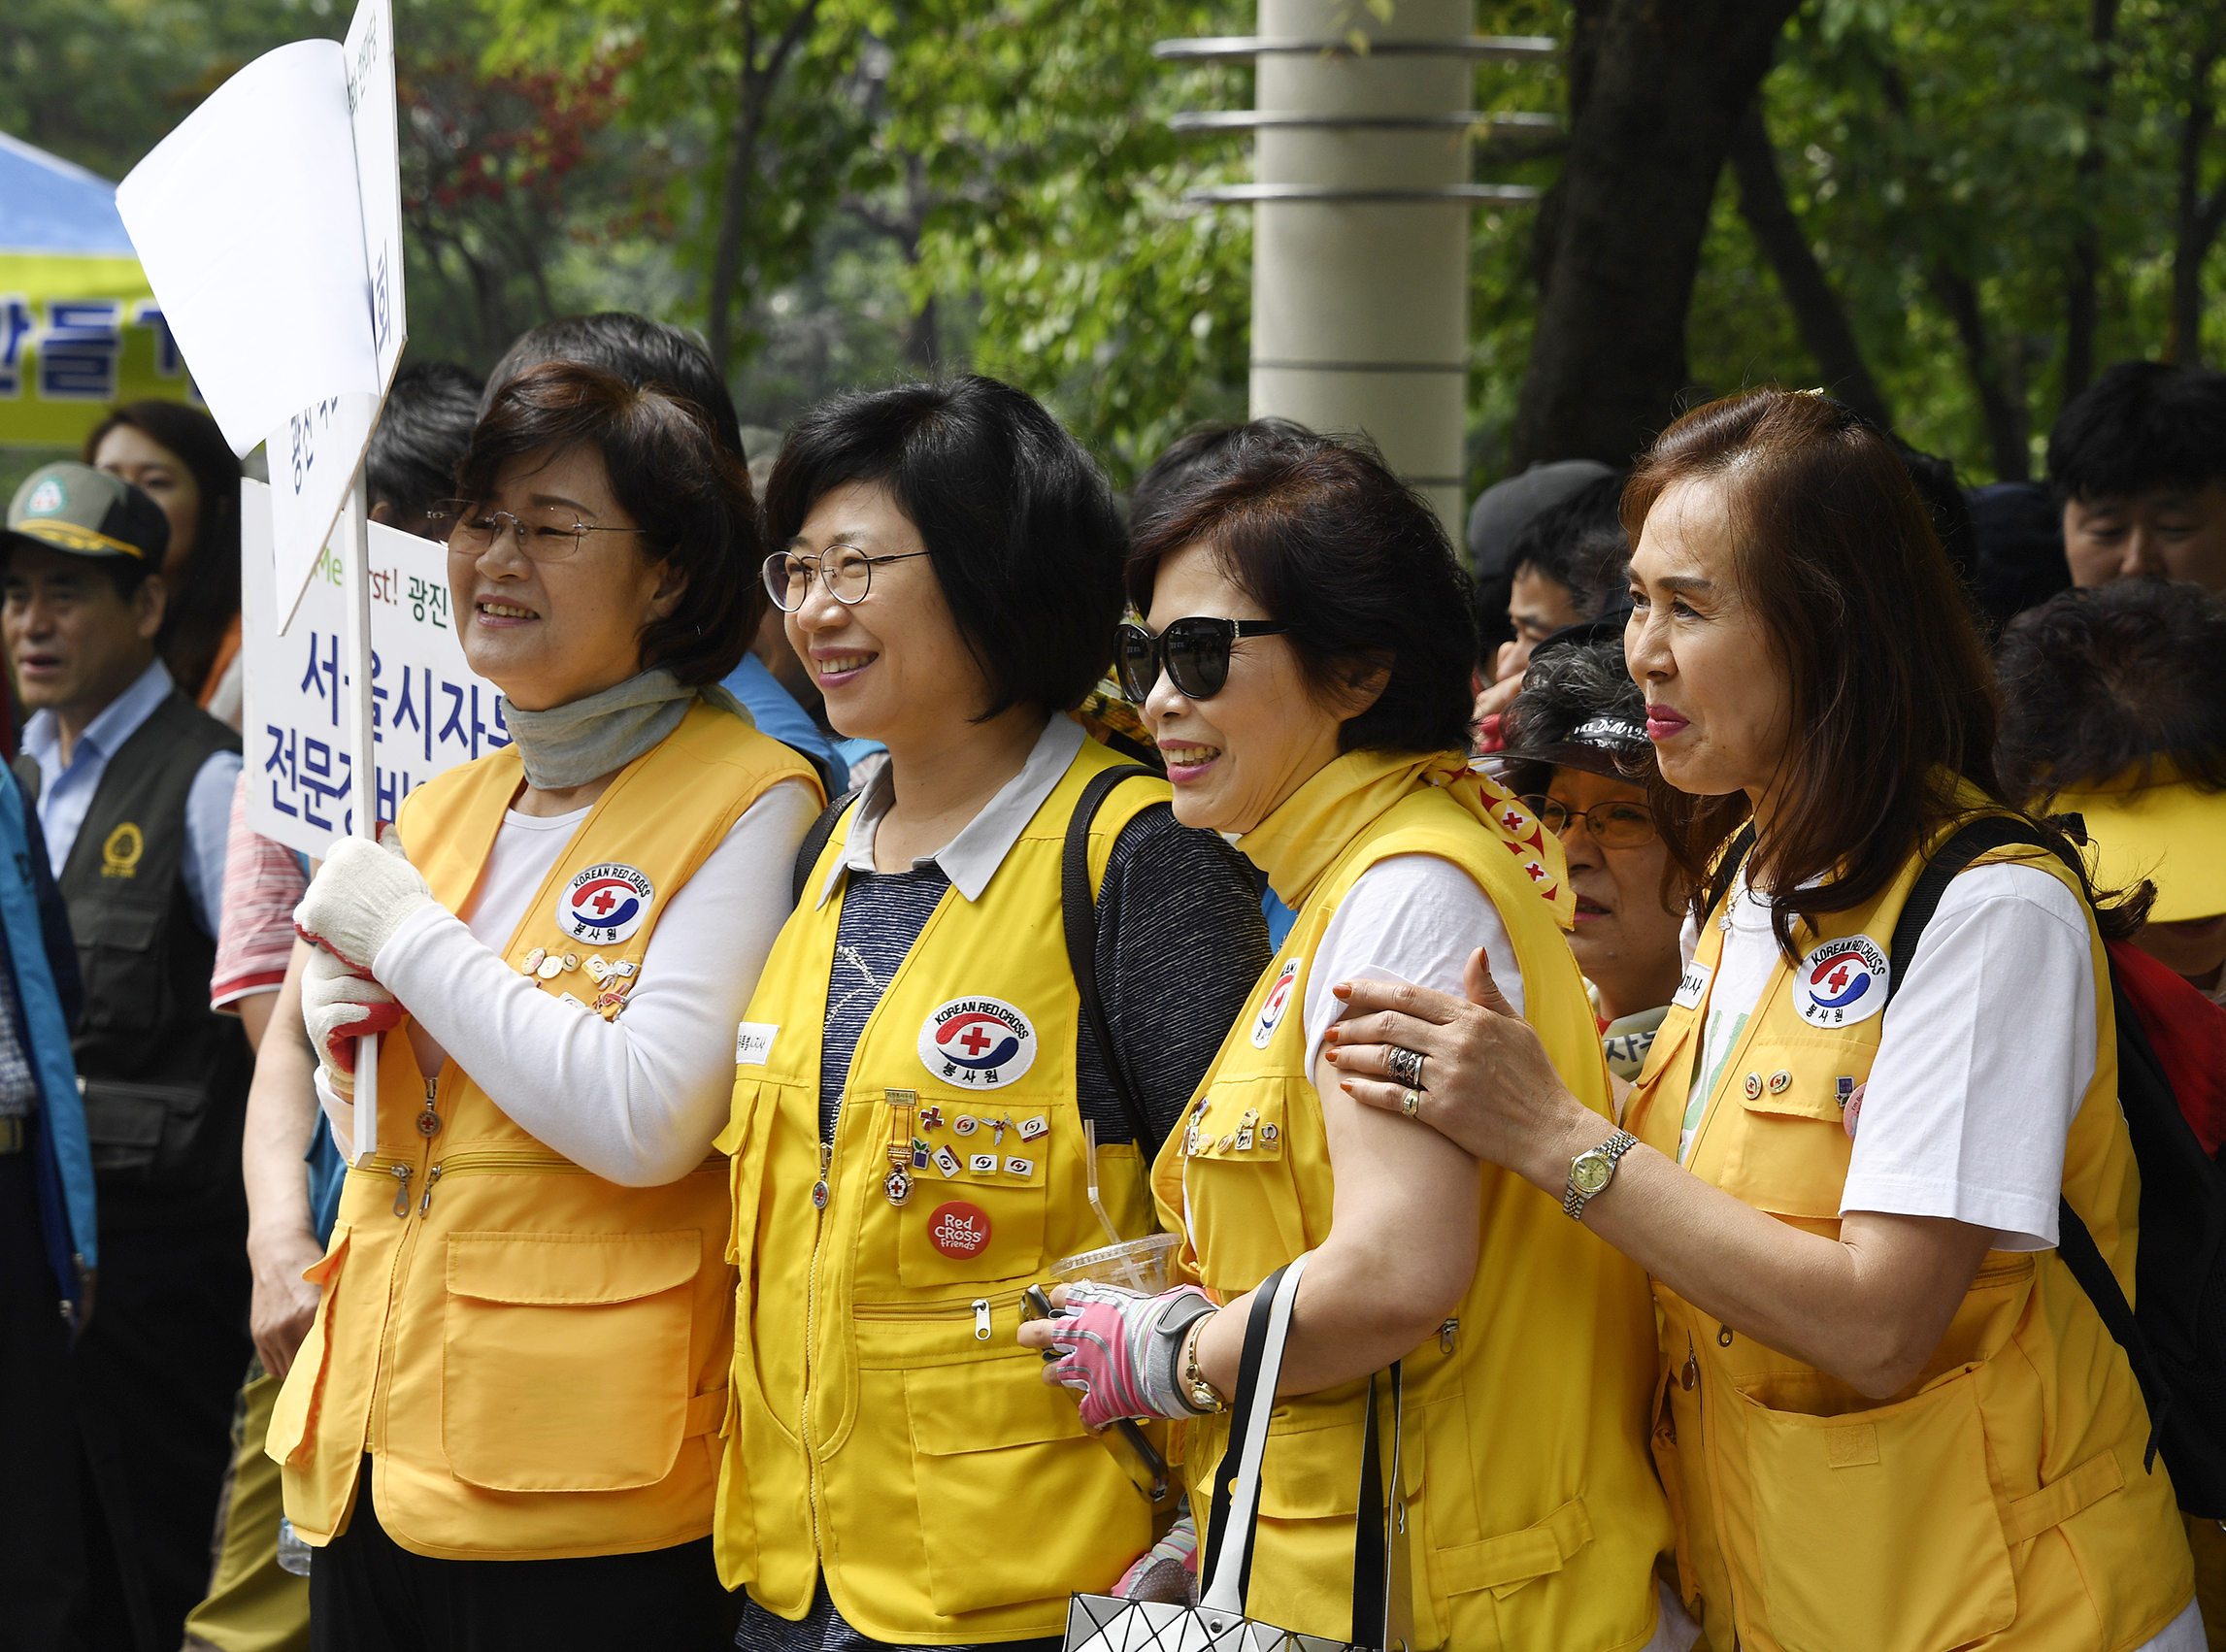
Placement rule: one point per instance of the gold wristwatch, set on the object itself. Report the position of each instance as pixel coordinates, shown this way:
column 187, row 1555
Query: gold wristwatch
column 1589, row 1173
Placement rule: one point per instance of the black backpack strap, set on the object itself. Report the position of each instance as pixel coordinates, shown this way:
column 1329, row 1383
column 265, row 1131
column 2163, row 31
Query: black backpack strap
column 1079, row 911
column 815, row 844
column 1726, row 872
column 2074, row 1243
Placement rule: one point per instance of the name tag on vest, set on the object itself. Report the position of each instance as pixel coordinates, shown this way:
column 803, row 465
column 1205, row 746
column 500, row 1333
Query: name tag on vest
column 754, row 1042
column 1692, row 986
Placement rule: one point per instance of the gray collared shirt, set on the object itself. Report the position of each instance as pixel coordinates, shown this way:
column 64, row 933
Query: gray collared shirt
column 972, row 858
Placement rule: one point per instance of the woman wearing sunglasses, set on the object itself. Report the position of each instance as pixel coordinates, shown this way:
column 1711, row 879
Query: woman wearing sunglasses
column 1578, row 757
column 500, row 1428
column 1302, row 664
column 916, row 1072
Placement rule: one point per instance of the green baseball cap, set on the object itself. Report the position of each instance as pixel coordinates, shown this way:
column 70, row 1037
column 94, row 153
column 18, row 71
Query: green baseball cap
column 88, row 513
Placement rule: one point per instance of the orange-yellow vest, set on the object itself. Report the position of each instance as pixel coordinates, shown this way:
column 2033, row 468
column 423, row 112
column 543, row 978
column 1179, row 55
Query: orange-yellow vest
column 534, row 1358
column 2000, row 1498
column 1534, row 1514
column 888, row 1432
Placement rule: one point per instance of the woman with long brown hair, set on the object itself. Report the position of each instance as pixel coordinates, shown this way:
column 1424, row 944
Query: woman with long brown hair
column 177, row 458
column 1891, row 1418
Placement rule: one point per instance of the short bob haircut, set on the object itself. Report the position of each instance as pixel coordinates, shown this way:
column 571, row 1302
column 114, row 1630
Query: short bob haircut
column 1890, row 692
column 1318, row 532
column 1017, row 521
column 671, row 474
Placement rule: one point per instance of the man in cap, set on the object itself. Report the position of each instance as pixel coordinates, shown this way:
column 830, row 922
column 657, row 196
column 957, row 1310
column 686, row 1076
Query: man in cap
column 133, row 788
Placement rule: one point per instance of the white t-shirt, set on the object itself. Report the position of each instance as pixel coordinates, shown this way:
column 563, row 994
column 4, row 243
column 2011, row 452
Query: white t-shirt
column 637, row 1100
column 1413, row 919
column 1983, row 1059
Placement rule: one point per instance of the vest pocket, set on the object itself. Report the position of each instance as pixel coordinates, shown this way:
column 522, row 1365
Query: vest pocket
column 293, row 1417
column 1877, row 1527
column 143, row 1134
column 565, row 1358
column 1017, row 1501
column 123, row 969
column 1792, row 1151
column 998, row 1236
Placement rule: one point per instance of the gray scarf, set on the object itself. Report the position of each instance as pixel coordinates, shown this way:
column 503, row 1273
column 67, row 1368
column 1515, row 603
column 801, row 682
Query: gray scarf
column 570, row 744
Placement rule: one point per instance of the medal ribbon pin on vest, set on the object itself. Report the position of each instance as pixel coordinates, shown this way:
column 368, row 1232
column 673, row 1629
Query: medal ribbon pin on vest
column 902, row 1105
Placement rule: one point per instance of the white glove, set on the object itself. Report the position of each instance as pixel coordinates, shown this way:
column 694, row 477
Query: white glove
column 339, row 1113
column 340, row 1007
column 360, row 899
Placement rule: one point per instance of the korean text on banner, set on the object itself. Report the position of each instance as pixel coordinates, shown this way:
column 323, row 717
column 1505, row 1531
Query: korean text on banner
column 429, row 712
column 269, row 225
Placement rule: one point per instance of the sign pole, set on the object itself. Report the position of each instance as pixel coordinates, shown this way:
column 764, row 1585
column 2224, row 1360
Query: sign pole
column 356, row 535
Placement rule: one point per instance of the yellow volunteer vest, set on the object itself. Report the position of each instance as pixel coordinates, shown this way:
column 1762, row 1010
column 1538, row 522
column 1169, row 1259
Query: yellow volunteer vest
column 1534, row 1515
column 2001, row 1497
column 888, row 1430
column 534, row 1358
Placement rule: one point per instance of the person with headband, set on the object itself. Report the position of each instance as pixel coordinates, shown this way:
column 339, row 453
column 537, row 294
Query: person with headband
column 1308, row 709
column 1889, row 1415
column 503, row 1420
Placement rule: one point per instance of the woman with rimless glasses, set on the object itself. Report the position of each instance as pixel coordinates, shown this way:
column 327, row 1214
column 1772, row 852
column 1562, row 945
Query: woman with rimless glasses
column 920, row 1071
column 1303, row 663
column 1578, row 758
column 502, row 1420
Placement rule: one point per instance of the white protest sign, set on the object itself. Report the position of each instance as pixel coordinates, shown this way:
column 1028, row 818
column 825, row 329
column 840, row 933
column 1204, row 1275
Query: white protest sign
column 269, row 225
column 429, row 712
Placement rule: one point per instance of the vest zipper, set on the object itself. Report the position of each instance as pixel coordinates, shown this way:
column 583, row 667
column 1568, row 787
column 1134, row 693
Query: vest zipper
column 957, row 1308
column 429, row 1121
column 1449, row 1334
column 401, row 1174
column 819, row 1201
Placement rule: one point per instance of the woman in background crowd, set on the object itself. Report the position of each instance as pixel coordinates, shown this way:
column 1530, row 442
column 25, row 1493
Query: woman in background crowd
column 180, row 459
column 918, row 1069
column 1578, row 760
column 1305, row 712
column 502, row 1422
column 1892, row 1418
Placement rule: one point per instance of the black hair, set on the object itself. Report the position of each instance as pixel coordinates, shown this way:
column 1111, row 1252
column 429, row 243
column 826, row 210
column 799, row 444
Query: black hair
column 1934, row 479
column 1567, row 685
column 2018, row 540
column 2096, row 682
column 1017, row 521
column 203, row 597
column 2143, row 425
column 637, row 349
column 1198, row 451
column 422, row 432
column 1322, row 535
column 688, row 495
column 1569, row 540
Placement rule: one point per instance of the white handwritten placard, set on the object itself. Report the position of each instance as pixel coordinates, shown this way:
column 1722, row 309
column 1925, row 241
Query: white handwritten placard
column 429, row 712
column 270, row 227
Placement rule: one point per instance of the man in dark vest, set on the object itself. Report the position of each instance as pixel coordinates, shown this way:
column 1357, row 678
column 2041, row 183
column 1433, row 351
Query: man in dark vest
column 133, row 786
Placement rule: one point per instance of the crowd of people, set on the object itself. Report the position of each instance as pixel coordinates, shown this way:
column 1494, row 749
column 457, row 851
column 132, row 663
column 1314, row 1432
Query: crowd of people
column 950, row 956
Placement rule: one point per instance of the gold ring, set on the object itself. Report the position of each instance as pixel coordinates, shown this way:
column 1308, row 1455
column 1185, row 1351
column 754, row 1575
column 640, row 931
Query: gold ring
column 1410, row 1100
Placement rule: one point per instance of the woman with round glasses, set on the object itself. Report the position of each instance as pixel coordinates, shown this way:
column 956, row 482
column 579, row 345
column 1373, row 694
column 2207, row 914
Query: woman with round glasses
column 1577, row 756
column 506, row 1410
column 1303, row 664
column 919, row 1077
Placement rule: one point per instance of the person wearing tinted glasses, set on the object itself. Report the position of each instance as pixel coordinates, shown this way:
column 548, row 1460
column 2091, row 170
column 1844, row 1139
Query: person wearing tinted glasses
column 1578, row 757
column 502, row 1419
column 915, row 1073
column 1303, row 664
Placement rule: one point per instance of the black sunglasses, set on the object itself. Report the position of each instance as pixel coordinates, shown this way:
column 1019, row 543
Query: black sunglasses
column 1194, row 652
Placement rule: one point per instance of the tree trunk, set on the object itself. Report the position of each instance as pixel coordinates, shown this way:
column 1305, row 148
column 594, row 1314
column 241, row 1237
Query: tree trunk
column 755, row 87
column 2198, row 218
column 1656, row 90
column 1999, row 384
column 1817, row 307
column 2081, row 281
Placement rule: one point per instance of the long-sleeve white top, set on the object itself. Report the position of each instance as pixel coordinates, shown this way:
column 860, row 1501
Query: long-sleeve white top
column 637, row 1100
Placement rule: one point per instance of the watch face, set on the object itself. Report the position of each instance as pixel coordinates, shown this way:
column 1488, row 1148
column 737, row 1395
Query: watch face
column 1590, row 1173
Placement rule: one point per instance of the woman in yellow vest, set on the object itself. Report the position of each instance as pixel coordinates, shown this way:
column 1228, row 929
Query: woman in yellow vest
column 501, row 1429
column 1890, row 1418
column 1303, row 664
column 915, row 1074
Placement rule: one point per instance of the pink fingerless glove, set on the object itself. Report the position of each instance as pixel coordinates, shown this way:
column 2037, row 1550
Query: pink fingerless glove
column 1119, row 1347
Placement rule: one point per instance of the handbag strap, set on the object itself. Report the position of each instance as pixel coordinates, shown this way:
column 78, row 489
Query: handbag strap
column 1079, row 918
column 1226, row 1566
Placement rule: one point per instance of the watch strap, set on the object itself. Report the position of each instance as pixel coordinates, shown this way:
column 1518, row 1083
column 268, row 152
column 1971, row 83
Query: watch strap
column 1573, row 1199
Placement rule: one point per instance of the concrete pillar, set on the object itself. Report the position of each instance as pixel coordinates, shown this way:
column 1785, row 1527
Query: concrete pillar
column 1360, row 306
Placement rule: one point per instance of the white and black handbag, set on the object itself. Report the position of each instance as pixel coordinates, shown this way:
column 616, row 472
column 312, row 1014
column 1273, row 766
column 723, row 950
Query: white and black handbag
column 1218, row 1623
